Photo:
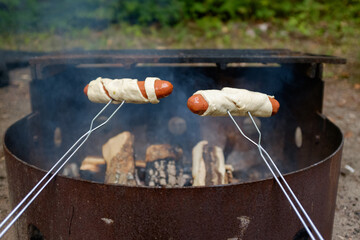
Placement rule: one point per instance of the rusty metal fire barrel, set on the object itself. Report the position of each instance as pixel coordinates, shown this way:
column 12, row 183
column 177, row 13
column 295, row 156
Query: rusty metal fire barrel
column 303, row 142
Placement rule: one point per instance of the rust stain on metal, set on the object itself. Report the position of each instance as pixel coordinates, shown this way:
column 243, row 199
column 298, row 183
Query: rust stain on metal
column 243, row 225
column 190, row 213
column 107, row 220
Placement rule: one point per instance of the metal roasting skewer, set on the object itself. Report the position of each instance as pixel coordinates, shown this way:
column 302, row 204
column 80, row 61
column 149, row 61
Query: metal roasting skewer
column 91, row 129
column 86, row 135
column 261, row 150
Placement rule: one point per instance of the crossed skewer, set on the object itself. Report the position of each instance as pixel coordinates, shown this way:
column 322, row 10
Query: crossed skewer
column 41, row 186
column 261, row 151
column 277, row 176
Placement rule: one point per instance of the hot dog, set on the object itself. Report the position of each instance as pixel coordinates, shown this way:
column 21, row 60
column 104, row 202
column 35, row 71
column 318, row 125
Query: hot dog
column 237, row 101
column 162, row 88
column 159, row 89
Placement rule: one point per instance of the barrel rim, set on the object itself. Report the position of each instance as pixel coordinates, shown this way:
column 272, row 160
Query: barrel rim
column 264, row 180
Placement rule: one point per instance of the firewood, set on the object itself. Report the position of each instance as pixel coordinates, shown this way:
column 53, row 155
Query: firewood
column 71, row 170
column 140, row 164
column 254, row 173
column 208, row 166
column 140, row 169
column 163, row 166
column 93, row 169
column 229, row 178
column 118, row 153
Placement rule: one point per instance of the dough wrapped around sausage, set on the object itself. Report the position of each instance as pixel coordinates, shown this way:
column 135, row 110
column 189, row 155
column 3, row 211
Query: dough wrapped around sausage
column 237, row 101
column 102, row 90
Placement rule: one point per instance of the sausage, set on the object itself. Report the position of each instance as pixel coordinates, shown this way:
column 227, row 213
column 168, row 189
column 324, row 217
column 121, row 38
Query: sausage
column 162, row 88
column 275, row 106
column 198, row 105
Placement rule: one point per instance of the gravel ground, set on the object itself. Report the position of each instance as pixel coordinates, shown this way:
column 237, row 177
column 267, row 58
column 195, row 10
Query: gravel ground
column 341, row 105
column 14, row 104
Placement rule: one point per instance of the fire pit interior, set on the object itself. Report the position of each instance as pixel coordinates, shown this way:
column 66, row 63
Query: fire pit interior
column 304, row 144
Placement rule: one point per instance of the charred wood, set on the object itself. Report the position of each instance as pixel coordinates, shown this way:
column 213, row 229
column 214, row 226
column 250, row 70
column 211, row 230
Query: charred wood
column 118, row 153
column 163, row 166
column 93, row 169
column 208, row 165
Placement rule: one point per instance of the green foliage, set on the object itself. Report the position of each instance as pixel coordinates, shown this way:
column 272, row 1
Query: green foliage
column 300, row 16
column 52, row 15
column 264, row 10
column 229, row 10
column 163, row 12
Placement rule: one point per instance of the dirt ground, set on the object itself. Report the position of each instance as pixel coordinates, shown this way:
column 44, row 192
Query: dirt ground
column 341, row 105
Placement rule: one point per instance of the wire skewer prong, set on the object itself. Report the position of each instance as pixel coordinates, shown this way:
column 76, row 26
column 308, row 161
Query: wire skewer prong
column 261, row 150
column 86, row 136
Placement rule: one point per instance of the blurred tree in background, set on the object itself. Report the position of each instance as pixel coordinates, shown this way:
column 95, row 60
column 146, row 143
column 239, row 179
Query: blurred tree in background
column 45, row 15
column 319, row 26
column 160, row 12
column 54, row 15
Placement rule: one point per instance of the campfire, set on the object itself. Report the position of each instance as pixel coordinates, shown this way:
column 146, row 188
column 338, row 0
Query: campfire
column 135, row 177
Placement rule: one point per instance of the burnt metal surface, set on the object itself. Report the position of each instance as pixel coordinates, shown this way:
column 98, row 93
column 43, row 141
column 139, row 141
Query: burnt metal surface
column 13, row 59
column 190, row 56
column 129, row 58
column 77, row 209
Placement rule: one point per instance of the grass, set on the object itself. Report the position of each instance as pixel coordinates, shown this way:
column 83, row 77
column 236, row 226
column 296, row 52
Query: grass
column 205, row 34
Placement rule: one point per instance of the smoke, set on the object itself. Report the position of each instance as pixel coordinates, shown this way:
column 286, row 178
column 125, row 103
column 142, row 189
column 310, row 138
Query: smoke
column 65, row 111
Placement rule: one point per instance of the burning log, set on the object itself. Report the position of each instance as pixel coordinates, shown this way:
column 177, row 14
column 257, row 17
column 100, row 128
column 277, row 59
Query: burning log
column 93, row 169
column 118, row 153
column 162, row 166
column 71, row 170
column 254, row 173
column 229, row 178
column 208, row 166
column 140, row 169
column 140, row 164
